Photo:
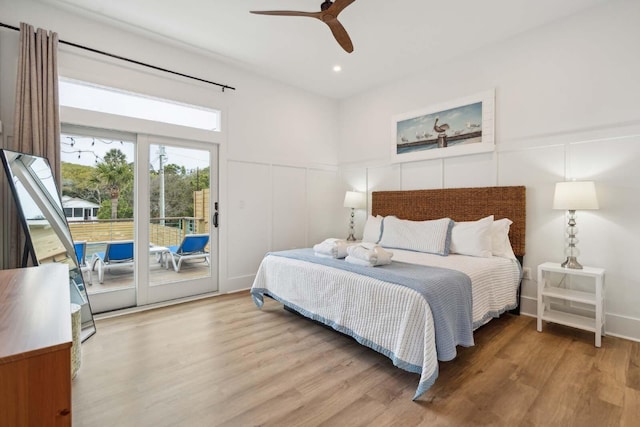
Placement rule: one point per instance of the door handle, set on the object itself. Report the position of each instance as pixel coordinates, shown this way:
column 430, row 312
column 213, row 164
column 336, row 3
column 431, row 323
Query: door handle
column 215, row 215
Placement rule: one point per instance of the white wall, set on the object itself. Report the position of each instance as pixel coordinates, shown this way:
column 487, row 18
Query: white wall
column 278, row 148
column 566, row 107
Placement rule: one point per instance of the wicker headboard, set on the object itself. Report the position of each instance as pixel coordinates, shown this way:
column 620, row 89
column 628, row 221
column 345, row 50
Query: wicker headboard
column 459, row 204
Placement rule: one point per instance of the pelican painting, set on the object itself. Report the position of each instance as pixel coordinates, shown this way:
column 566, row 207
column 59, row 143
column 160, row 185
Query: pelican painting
column 448, row 129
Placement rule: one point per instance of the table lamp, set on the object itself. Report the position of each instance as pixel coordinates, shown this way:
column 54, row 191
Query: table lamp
column 353, row 200
column 572, row 196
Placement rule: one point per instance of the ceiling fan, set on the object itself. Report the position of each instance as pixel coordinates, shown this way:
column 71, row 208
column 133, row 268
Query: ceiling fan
column 329, row 11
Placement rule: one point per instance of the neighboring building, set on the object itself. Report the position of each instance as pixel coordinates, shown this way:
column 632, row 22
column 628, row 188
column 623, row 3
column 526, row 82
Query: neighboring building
column 78, row 209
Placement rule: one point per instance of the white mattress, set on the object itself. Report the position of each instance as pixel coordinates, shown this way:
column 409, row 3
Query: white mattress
column 393, row 320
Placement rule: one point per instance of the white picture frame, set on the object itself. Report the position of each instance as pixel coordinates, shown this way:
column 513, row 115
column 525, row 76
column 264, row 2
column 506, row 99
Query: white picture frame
column 464, row 126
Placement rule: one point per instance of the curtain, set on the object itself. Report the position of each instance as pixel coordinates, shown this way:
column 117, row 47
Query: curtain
column 36, row 126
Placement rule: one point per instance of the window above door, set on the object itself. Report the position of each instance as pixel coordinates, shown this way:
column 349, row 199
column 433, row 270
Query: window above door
column 92, row 97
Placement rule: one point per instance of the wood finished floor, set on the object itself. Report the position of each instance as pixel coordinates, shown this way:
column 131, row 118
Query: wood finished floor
column 223, row 362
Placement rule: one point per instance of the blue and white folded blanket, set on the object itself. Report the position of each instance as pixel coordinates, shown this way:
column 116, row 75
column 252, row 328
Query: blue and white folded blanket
column 331, row 248
column 368, row 254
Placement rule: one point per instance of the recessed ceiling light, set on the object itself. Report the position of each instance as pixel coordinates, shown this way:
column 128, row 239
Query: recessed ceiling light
column 337, row 68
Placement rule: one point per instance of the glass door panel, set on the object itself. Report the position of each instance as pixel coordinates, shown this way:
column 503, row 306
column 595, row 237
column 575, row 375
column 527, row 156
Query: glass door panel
column 182, row 238
column 98, row 191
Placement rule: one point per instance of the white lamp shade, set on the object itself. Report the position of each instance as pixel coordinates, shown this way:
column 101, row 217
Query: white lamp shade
column 354, row 199
column 575, row 195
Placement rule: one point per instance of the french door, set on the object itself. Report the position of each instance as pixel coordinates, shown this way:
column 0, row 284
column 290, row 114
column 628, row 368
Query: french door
column 166, row 201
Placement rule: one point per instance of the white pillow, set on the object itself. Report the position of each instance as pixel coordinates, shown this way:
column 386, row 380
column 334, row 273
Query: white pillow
column 431, row 237
column 500, row 244
column 472, row 237
column 372, row 229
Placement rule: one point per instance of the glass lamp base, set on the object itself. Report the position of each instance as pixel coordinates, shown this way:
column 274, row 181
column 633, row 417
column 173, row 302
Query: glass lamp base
column 351, row 237
column 571, row 262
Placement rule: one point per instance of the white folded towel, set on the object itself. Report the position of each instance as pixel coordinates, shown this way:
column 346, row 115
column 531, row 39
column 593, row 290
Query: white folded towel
column 368, row 254
column 335, row 248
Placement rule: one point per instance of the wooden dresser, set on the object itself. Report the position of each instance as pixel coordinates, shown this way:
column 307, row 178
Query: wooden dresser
column 35, row 346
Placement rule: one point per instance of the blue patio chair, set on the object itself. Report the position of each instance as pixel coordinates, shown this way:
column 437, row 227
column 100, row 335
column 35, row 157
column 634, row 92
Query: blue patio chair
column 192, row 247
column 117, row 254
column 81, row 256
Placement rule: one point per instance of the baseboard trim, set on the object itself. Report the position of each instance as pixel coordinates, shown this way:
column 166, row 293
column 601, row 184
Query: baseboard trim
column 528, row 306
column 622, row 327
column 616, row 325
column 238, row 283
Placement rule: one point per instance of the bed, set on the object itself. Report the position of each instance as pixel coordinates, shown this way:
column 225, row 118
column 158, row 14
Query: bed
column 415, row 330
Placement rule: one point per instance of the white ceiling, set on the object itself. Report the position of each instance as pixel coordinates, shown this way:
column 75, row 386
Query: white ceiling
column 391, row 39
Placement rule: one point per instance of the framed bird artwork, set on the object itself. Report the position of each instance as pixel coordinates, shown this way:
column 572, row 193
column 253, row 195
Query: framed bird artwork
column 454, row 128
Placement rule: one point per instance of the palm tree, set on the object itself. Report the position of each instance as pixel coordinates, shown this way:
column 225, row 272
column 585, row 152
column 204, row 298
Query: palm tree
column 114, row 173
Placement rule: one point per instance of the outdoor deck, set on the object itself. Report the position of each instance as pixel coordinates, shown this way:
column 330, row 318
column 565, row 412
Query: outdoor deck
column 123, row 277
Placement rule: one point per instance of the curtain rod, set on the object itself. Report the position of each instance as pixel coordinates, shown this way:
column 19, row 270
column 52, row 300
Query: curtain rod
column 133, row 61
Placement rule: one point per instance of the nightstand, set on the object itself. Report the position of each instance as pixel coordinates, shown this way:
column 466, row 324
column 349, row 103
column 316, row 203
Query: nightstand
column 596, row 298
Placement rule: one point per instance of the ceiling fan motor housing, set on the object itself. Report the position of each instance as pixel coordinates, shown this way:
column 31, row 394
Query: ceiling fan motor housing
column 325, row 5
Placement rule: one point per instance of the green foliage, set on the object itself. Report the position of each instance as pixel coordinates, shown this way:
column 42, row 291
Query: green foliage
column 115, row 174
column 104, row 212
column 173, row 169
column 110, row 184
column 199, row 179
column 125, row 204
column 77, row 182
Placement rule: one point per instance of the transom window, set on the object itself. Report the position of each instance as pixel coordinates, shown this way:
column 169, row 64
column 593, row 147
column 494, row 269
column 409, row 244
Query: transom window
column 91, row 97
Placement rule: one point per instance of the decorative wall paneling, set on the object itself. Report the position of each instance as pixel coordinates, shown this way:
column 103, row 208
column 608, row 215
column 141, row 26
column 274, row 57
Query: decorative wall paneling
column 275, row 207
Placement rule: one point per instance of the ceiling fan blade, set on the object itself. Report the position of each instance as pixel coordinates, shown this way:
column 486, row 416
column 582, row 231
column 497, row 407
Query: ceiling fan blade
column 340, row 34
column 338, row 6
column 287, row 13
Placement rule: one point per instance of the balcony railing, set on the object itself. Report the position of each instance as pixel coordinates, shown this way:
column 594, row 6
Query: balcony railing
column 162, row 231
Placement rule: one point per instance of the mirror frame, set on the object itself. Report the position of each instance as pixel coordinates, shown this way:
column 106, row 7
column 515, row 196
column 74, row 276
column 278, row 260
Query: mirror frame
column 50, row 205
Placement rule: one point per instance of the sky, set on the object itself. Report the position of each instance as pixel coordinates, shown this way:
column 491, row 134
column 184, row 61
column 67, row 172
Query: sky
column 86, row 150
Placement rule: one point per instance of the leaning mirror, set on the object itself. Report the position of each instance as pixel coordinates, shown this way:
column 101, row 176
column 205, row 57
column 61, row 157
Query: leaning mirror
column 47, row 235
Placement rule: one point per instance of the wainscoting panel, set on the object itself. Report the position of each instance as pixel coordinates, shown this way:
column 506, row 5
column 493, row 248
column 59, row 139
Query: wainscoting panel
column 609, row 236
column 538, row 169
column 384, row 178
column 470, row 171
column 289, row 207
column 324, row 200
column 422, row 175
column 249, row 216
